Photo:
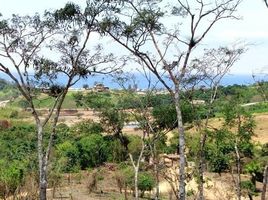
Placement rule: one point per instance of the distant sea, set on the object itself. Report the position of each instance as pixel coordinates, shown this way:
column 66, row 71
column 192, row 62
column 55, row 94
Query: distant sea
column 142, row 83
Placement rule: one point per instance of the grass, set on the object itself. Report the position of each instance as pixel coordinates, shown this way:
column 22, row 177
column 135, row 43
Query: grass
column 45, row 101
column 13, row 114
column 259, row 108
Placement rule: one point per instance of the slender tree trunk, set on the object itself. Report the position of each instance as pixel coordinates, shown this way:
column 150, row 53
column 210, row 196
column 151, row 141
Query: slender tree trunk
column 265, row 180
column 125, row 193
column 157, row 192
column 137, row 167
column 181, row 147
column 42, row 167
column 238, row 183
column 156, row 171
column 201, row 167
column 136, row 183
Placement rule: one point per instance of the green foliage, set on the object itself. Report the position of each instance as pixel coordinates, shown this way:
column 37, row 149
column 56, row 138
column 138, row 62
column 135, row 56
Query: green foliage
column 14, row 114
column 264, row 150
column 128, row 100
column 116, row 151
column 165, row 116
column 68, row 154
column 242, row 92
column 218, row 150
column 23, row 103
column 10, row 112
column 93, row 151
column 85, row 128
column 255, row 169
column 146, row 181
column 192, row 143
column 258, row 108
column 249, row 188
column 94, row 100
column 236, row 117
column 262, row 88
column 7, row 90
column 134, row 146
column 11, row 176
column 17, row 152
column 126, row 173
column 18, row 142
column 69, row 12
column 113, row 120
column 237, row 131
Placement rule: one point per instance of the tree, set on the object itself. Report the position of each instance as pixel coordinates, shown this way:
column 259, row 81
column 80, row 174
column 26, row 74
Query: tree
column 266, row 3
column 142, row 32
column 65, row 32
column 238, row 118
column 208, row 71
column 93, row 151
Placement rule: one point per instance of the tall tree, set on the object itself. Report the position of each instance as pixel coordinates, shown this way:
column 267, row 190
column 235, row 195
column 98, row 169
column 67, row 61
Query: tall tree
column 25, row 46
column 208, row 71
column 144, row 28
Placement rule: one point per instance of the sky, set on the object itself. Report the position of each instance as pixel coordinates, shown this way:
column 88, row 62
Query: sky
column 251, row 29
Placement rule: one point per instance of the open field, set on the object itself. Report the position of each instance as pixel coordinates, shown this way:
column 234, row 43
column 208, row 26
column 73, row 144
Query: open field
column 75, row 187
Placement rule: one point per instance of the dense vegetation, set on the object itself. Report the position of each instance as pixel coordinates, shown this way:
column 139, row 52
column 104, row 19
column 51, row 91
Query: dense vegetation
column 192, row 128
column 87, row 145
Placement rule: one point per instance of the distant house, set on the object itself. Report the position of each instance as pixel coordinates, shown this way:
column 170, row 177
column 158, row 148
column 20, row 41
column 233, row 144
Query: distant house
column 99, row 87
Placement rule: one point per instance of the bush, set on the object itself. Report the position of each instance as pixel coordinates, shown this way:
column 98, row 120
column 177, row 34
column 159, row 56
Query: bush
column 248, row 188
column 134, row 146
column 14, row 114
column 85, row 128
column 116, row 151
column 93, row 151
column 69, row 156
column 125, row 177
column 146, row 182
column 11, row 176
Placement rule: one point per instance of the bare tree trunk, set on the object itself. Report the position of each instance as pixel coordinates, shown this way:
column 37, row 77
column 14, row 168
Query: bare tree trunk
column 238, row 183
column 157, row 192
column 125, row 193
column 136, row 183
column 156, row 171
column 201, row 167
column 42, row 171
column 181, row 147
column 137, row 167
column 265, row 180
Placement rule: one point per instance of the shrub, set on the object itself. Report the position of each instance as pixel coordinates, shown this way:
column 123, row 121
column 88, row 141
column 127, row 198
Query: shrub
column 69, row 156
column 116, row 151
column 14, row 114
column 93, row 151
column 146, row 182
column 88, row 127
column 11, row 176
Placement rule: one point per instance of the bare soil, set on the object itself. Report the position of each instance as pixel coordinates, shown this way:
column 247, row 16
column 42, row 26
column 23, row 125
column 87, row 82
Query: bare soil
column 216, row 187
column 75, row 187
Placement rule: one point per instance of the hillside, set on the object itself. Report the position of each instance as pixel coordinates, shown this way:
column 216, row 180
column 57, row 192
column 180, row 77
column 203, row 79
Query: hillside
column 90, row 162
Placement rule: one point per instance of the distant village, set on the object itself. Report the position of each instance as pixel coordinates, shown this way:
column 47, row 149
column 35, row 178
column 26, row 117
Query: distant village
column 100, row 87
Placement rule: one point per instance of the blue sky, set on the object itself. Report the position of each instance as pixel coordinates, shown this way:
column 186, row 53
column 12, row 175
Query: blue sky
column 252, row 29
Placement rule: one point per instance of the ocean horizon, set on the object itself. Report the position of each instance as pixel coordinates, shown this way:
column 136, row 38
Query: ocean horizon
column 142, row 83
